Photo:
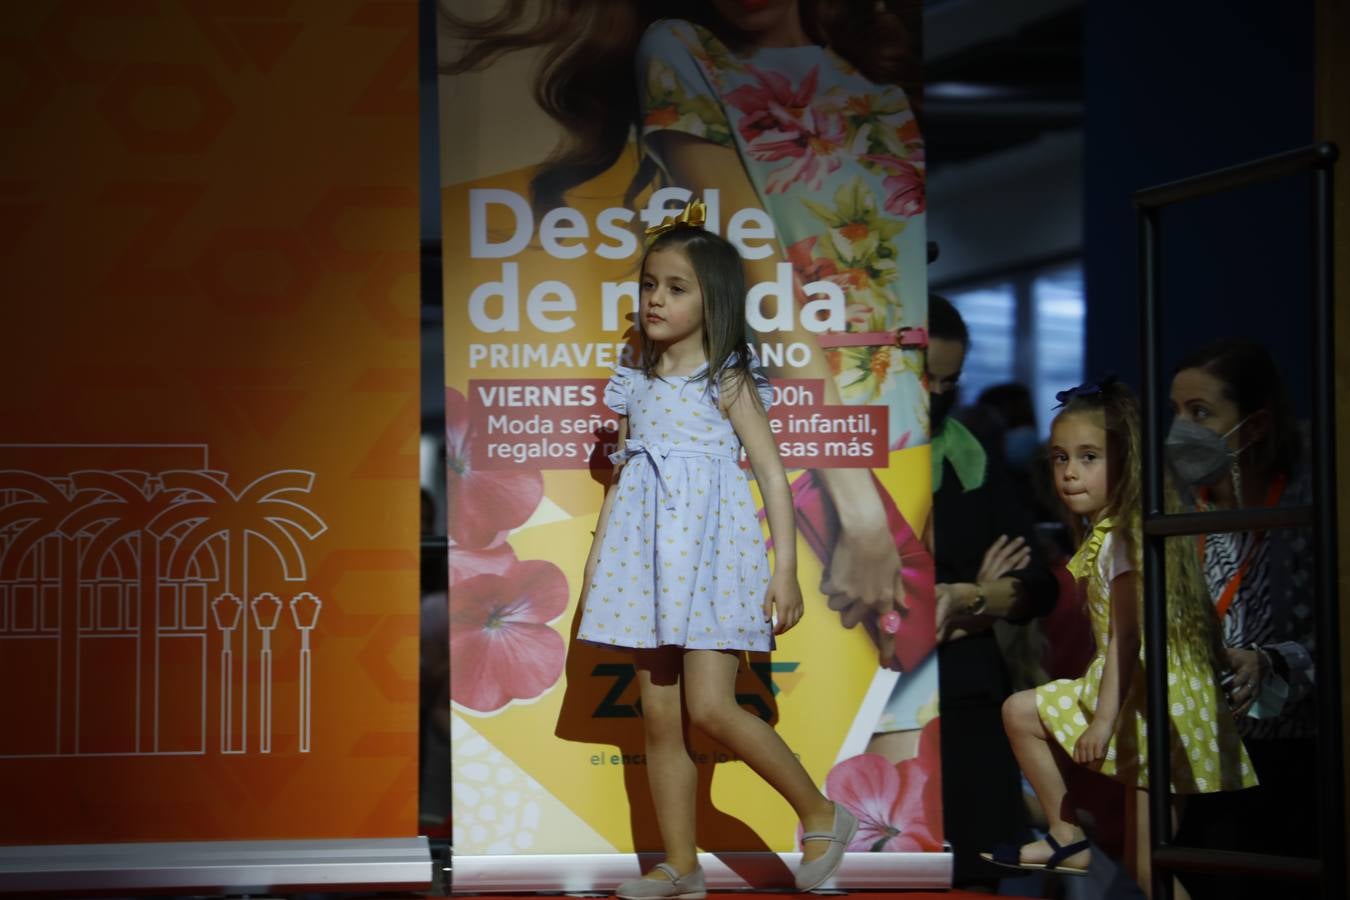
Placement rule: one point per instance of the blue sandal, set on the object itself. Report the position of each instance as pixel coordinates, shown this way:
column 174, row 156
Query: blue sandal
column 1011, row 856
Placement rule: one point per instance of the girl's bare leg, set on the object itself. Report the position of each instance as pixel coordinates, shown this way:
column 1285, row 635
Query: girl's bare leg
column 671, row 775
column 710, row 694
column 1031, row 745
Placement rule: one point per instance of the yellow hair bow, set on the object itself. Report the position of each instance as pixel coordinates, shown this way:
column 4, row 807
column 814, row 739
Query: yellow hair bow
column 693, row 216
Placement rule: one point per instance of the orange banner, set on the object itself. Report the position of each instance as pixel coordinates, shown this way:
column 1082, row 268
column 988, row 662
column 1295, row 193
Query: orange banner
column 208, row 457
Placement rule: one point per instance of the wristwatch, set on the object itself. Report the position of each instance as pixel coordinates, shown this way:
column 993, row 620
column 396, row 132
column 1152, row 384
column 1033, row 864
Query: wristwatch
column 976, row 607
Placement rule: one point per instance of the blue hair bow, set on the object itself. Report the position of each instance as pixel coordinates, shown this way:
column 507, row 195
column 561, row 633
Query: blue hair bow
column 1087, row 389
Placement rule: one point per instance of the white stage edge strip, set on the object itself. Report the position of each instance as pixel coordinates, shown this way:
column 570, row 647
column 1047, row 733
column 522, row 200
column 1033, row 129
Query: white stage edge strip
column 233, row 867
column 600, row 872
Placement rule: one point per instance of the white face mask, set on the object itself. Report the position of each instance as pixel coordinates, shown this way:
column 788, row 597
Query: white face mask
column 1197, row 455
column 1269, row 703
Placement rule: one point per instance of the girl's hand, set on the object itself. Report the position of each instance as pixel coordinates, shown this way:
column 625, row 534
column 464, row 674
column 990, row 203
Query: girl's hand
column 1003, row 556
column 1091, row 747
column 784, row 597
column 1249, row 671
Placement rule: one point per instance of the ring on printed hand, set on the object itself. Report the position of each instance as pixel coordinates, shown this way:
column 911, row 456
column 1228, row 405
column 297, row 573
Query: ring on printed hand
column 889, row 622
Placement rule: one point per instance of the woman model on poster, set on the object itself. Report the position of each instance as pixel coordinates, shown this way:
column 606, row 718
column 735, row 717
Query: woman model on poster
column 1098, row 720
column 792, row 107
column 677, row 571
column 1234, row 443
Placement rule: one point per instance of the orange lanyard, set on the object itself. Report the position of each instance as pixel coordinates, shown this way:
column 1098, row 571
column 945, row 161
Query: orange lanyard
column 1230, row 590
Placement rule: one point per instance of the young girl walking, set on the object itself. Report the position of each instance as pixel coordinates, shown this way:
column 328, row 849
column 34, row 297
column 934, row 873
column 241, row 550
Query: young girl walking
column 1098, row 720
column 677, row 571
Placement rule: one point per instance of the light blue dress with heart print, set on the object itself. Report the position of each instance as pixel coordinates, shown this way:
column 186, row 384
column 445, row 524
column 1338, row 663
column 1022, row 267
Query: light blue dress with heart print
column 682, row 561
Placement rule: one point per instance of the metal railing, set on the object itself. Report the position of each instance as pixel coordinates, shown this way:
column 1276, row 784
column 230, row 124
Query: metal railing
column 1169, row 858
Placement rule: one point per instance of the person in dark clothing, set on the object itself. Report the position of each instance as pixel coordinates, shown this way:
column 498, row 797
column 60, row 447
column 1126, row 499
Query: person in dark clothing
column 1023, row 451
column 990, row 568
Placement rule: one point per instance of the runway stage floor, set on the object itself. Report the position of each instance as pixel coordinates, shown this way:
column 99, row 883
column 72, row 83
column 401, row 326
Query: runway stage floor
column 757, row 895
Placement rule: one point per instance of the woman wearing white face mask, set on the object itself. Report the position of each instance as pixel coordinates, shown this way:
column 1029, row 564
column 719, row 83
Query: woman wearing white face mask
column 1233, row 443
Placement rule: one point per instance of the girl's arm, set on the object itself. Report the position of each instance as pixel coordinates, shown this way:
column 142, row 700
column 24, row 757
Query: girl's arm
column 864, row 568
column 603, row 519
column 1122, row 655
column 752, row 427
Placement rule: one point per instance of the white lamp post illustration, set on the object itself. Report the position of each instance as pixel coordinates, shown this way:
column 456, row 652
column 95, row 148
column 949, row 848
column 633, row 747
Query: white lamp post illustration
column 305, row 609
column 226, row 610
column 266, row 610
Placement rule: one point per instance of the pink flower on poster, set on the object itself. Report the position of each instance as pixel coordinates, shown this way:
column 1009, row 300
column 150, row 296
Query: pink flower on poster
column 484, row 505
column 465, row 564
column 782, row 123
column 904, row 183
column 899, row 806
column 502, row 647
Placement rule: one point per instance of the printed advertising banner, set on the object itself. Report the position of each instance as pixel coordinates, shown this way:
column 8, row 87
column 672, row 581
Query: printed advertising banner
column 814, row 171
column 208, row 465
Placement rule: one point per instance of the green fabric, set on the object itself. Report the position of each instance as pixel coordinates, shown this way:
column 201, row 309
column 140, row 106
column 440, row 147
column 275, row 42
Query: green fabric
column 955, row 444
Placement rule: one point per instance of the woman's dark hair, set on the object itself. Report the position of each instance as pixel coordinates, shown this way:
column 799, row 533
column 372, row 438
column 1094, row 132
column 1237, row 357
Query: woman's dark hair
column 586, row 82
column 721, row 280
column 944, row 322
column 1252, row 381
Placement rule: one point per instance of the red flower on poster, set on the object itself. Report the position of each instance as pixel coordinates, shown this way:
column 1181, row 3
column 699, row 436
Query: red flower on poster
column 899, row 806
column 502, row 647
column 484, row 505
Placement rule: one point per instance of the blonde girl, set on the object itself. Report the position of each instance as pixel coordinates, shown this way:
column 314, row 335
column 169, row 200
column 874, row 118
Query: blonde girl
column 1098, row 720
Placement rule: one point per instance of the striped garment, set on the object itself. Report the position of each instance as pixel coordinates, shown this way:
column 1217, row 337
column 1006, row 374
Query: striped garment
column 1273, row 609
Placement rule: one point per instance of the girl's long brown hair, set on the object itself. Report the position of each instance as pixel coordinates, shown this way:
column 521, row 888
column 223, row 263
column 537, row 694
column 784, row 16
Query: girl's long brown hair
column 586, row 82
column 1192, row 625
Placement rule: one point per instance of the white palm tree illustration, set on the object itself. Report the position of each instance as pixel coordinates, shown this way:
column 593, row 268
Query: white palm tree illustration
column 125, row 503
column 266, row 509
column 39, row 513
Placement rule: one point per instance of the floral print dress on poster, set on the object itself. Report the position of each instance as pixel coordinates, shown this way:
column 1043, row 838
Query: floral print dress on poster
column 838, row 164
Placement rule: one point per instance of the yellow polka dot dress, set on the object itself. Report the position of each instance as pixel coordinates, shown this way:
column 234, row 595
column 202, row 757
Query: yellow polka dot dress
column 682, row 561
column 1207, row 752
